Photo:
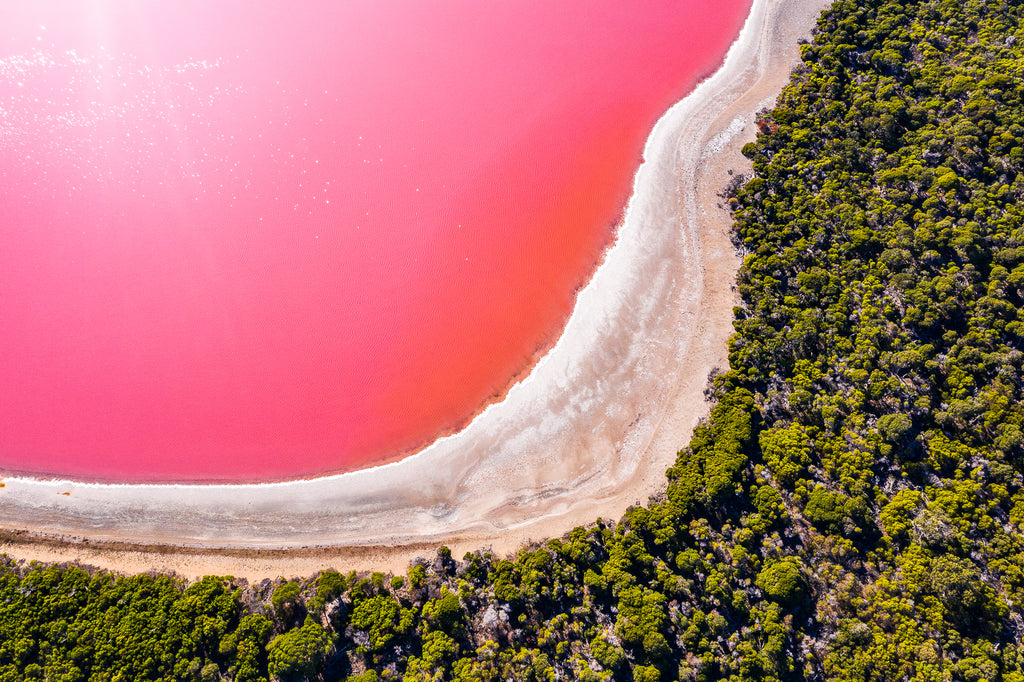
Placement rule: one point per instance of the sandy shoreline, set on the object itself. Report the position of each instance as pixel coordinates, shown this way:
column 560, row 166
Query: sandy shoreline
column 590, row 431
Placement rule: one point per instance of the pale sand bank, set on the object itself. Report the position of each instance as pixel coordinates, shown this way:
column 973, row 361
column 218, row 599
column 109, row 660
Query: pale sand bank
column 590, row 431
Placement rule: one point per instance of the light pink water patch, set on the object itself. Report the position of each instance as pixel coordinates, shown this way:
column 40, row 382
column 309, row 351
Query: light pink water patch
column 252, row 241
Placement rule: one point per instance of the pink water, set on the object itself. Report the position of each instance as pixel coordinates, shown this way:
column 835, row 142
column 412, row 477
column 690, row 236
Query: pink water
column 265, row 240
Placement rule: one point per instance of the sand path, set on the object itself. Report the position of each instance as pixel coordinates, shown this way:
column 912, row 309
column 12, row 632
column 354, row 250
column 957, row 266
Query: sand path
column 590, row 431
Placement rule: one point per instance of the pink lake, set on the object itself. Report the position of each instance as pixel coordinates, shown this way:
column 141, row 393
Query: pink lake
column 251, row 241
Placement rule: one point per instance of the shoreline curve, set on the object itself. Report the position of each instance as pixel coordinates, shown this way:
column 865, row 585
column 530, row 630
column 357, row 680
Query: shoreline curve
column 606, row 409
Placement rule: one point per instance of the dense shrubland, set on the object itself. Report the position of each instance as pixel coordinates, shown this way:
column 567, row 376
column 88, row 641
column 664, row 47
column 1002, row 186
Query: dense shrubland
column 853, row 507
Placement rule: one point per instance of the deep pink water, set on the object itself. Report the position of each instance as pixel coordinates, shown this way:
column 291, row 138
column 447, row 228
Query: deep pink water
column 264, row 240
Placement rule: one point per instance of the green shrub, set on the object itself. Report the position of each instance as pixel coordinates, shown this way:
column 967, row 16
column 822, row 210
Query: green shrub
column 783, row 581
